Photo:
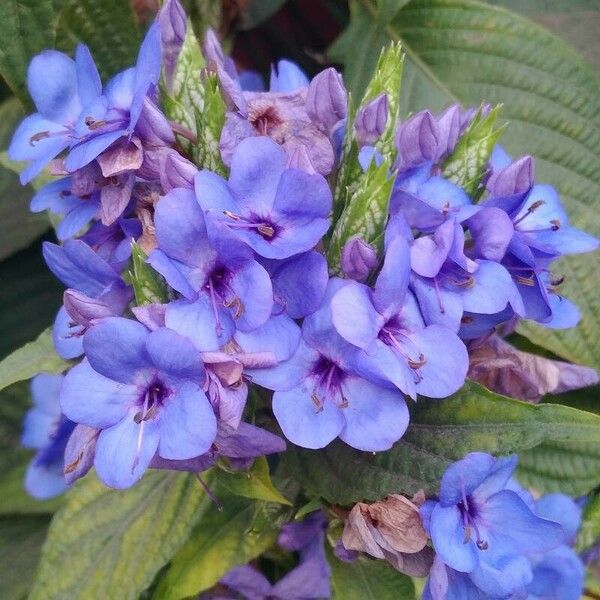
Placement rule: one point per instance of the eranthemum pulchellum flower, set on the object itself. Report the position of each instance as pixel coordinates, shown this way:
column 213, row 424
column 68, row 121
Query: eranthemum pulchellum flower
column 481, row 527
column 277, row 211
column 396, row 346
column 144, row 390
column 320, row 395
column 223, row 286
column 46, row 430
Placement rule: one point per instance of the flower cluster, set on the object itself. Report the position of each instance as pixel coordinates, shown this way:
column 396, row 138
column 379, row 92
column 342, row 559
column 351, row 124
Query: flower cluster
column 248, row 297
column 187, row 286
column 493, row 540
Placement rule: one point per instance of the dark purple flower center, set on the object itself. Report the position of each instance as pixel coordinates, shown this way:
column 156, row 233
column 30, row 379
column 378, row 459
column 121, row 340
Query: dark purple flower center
column 469, row 513
column 152, row 400
column 220, row 291
column 328, row 378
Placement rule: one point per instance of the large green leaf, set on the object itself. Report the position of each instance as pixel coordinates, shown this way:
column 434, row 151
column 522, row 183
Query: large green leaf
column 33, row 358
column 110, row 544
column 21, row 540
column 29, row 300
column 108, row 27
column 553, row 466
column 26, row 28
column 468, row 51
column 222, row 540
column 368, row 579
column 254, row 483
column 440, row 431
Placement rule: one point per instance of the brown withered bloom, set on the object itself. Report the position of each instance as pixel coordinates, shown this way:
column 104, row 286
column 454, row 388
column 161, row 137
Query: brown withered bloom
column 390, row 529
column 504, row 369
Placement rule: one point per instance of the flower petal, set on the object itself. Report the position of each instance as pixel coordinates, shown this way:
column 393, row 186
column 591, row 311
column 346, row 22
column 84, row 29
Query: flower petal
column 123, row 454
column 91, row 399
column 376, row 417
column 302, row 422
column 175, row 355
column 188, row 425
column 116, row 348
column 448, row 537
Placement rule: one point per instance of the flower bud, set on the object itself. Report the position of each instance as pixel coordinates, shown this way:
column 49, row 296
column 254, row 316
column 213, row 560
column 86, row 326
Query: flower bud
column 517, row 178
column 358, row 258
column 326, row 99
column 150, row 315
column 177, row 172
column 371, row 120
column 83, row 309
column 449, row 127
column 417, row 140
column 172, row 21
column 153, row 127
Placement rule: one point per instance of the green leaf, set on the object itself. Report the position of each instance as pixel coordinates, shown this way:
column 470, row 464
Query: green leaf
column 441, row 431
column 365, row 213
column 35, row 357
column 467, row 164
column 108, row 28
column 468, row 51
column 110, row 544
column 254, row 483
column 209, row 124
column 387, row 79
column 148, row 286
column 368, row 579
column 222, row 540
column 568, row 467
column 311, row 506
column 26, row 28
column 21, row 540
column 29, row 304
column 186, row 96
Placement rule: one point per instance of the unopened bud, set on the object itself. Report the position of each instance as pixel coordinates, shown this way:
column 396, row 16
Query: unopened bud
column 83, row 310
column 371, row 120
column 417, row 140
column 358, row 259
column 449, row 129
column 326, row 99
column 172, row 21
column 517, row 178
column 177, row 172
column 299, row 159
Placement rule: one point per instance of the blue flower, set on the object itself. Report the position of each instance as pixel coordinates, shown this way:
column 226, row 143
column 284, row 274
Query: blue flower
column 319, row 395
column 396, row 346
column 224, row 287
column 278, row 212
column 480, row 527
column 144, row 390
column 61, row 88
column 46, row 430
